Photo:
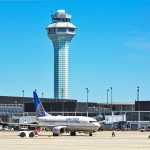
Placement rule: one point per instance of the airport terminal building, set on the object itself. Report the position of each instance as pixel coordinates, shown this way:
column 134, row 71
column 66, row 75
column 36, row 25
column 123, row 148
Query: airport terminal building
column 13, row 109
column 11, row 105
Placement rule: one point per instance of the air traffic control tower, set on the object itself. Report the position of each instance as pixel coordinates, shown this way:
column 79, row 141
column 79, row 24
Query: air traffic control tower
column 61, row 32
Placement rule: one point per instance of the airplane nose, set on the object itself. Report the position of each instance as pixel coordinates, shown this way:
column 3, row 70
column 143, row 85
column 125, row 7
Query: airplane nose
column 97, row 125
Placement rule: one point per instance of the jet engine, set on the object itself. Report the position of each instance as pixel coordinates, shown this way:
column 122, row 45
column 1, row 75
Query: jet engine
column 58, row 130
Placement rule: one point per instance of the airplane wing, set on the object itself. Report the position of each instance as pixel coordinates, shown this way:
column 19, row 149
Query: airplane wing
column 55, row 129
column 35, row 124
column 11, row 123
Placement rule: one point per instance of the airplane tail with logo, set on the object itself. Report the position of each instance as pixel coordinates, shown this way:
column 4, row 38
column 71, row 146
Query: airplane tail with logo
column 40, row 111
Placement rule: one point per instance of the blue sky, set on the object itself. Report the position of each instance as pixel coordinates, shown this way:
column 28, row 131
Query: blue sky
column 111, row 48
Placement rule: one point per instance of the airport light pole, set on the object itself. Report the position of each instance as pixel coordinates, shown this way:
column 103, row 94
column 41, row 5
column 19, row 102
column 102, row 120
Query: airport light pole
column 138, row 93
column 138, row 90
column 111, row 98
column 42, row 95
column 23, row 100
column 87, row 97
column 107, row 96
column 111, row 108
column 23, row 105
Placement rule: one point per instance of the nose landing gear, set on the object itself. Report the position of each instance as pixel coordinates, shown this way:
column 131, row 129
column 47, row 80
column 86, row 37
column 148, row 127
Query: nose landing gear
column 90, row 134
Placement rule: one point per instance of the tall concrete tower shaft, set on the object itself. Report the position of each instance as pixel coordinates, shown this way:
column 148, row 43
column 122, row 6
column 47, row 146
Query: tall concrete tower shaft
column 61, row 32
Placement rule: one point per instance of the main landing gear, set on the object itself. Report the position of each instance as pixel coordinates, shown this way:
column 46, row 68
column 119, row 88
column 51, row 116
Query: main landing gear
column 90, row 134
column 72, row 133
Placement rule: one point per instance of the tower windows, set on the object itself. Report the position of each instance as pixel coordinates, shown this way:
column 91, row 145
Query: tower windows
column 70, row 29
column 51, row 31
column 55, row 20
column 61, row 29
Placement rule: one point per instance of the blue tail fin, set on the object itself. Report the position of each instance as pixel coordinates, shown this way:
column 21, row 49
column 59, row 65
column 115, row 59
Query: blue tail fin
column 40, row 111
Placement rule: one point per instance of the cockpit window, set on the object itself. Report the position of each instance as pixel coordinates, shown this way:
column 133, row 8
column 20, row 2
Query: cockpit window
column 92, row 121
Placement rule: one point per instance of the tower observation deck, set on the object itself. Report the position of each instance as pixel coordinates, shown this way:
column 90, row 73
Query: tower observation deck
column 61, row 32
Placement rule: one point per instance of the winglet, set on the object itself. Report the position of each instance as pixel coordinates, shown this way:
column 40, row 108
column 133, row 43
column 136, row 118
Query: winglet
column 40, row 111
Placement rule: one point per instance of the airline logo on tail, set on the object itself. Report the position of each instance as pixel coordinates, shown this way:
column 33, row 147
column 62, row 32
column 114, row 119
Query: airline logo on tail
column 40, row 112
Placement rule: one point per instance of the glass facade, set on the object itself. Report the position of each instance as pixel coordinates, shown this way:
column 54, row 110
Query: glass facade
column 61, row 32
column 11, row 108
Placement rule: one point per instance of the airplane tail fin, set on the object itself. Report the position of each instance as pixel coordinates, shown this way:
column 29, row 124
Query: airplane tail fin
column 40, row 111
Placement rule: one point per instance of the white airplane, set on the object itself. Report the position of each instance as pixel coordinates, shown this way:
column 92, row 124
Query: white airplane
column 61, row 124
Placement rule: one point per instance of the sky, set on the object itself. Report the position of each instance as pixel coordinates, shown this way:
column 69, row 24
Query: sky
column 111, row 48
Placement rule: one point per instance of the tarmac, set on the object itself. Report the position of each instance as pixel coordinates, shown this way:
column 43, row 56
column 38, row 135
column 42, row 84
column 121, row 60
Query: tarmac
column 102, row 140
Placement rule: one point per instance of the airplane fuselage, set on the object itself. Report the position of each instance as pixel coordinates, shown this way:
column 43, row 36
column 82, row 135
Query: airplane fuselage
column 72, row 123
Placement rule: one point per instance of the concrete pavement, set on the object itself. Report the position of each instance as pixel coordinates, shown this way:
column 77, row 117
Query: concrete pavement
column 124, row 140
